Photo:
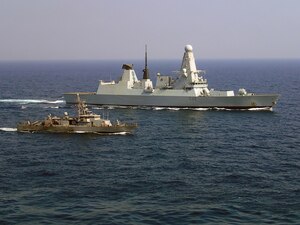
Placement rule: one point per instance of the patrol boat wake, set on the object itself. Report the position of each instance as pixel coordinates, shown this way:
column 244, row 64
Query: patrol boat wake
column 188, row 90
column 85, row 122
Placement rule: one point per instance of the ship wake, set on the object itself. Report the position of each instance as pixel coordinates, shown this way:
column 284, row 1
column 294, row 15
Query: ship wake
column 8, row 129
column 155, row 108
column 104, row 134
column 31, row 101
column 117, row 133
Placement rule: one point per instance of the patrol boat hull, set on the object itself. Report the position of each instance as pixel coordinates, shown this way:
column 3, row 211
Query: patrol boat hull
column 75, row 129
column 188, row 90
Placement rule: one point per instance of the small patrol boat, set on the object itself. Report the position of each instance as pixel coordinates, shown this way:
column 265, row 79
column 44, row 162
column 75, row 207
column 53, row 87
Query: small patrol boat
column 85, row 122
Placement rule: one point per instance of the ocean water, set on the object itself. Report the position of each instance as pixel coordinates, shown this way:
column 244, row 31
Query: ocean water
column 181, row 166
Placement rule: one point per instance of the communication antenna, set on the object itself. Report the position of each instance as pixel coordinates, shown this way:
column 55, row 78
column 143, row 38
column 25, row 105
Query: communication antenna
column 145, row 70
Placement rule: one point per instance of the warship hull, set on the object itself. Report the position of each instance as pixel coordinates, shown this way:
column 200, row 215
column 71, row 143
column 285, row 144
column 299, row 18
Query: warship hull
column 228, row 102
column 75, row 129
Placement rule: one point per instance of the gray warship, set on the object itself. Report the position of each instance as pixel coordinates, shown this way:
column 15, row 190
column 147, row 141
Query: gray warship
column 85, row 122
column 188, row 90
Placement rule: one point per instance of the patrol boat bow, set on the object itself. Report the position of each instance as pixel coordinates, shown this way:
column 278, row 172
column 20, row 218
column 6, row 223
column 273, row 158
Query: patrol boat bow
column 188, row 90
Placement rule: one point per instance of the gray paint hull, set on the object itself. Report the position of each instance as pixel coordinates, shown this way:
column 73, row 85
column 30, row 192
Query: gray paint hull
column 229, row 102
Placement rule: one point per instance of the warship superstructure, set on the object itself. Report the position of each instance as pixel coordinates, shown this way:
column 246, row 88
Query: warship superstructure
column 188, row 90
column 85, row 122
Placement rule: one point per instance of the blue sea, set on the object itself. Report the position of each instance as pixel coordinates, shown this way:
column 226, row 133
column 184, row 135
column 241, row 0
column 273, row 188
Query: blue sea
column 181, row 166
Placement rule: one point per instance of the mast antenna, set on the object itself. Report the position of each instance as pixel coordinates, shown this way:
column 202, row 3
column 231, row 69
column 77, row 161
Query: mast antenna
column 145, row 70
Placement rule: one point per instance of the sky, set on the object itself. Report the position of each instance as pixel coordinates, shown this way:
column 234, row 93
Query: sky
column 119, row 29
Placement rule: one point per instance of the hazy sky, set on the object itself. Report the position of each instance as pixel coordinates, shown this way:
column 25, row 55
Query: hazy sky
column 119, row 29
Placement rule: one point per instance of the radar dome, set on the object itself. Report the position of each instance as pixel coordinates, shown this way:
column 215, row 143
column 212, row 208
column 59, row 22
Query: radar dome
column 188, row 48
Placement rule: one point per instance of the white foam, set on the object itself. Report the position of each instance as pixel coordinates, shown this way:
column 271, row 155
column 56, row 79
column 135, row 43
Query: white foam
column 175, row 109
column 97, row 108
column 200, row 109
column 156, row 108
column 87, row 132
column 51, row 107
column 55, row 102
column 119, row 133
column 8, row 129
column 33, row 101
column 251, row 109
column 159, row 108
column 261, row 109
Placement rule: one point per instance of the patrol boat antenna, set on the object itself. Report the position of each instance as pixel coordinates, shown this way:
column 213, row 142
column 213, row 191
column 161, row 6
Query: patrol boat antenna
column 146, row 71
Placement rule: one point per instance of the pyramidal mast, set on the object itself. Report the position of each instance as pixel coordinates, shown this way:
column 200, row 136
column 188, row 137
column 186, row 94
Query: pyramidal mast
column 145, row 70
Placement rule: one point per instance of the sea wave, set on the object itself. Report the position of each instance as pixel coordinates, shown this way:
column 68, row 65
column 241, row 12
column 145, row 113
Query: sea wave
column 177, row 109
column 251, row 109
column 157, row 108
column 31, row 101
column 87, row 132
column 117, row 133
column 97, row 108
column 199, row 109
column 51, row 107
column 80, row 132
column 8, row 129
column 261, row 109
